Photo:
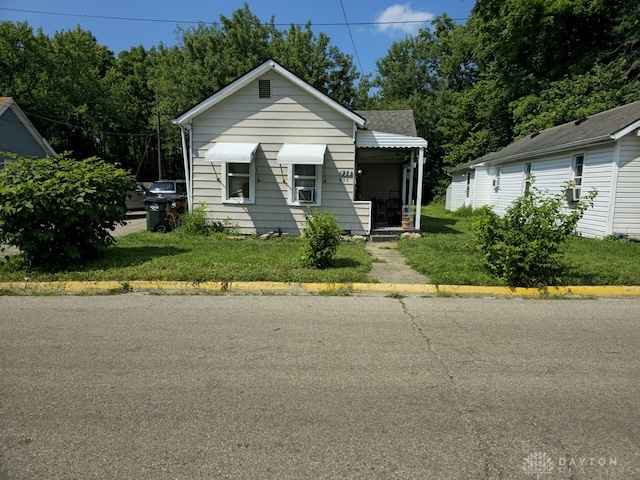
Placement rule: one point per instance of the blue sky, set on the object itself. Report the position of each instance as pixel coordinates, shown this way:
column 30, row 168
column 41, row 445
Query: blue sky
column 122, row 24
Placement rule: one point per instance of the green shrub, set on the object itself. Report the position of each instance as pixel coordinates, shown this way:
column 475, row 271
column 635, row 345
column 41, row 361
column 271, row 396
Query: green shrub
column 321, row 235
column 196, row 223
column 60, row 211
column 524, row 246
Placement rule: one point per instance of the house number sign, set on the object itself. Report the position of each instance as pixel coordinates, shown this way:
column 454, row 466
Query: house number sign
column 346, row 176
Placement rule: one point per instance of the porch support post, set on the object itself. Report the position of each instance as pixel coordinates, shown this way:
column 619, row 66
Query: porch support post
column 411, row 170
column 419, row 195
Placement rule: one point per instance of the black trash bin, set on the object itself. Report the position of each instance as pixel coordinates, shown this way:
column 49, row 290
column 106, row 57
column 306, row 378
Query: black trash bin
column 158, row 214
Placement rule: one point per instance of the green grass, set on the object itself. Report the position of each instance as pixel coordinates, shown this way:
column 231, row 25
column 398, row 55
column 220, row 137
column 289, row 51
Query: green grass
column 448, row 253
column 151, row 256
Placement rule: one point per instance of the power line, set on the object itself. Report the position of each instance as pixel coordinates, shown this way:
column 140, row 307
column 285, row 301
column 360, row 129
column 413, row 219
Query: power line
column 355, row 50
column 67, row 124
column 196, row 22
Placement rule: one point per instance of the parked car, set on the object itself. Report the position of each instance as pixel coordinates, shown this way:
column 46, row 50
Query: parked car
column 169, row 188
column 136, row 198
column 176, row 190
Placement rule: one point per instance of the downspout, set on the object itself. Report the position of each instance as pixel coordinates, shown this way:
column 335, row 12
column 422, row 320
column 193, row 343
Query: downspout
column 185, row 158
column 419, row 195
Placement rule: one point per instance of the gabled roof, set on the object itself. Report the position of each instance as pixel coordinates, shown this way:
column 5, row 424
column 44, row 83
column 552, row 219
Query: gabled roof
column 605, row 126
column 7, row 103
column 401, row 122
column 253, row 75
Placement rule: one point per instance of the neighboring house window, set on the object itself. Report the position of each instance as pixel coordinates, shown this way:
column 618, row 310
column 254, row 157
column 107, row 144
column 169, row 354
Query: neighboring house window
column 239, row 182
column 527, row 177
column 496, row 180
column 305, row 182
column 468, row 183
column 264, row 88
column 578, row 166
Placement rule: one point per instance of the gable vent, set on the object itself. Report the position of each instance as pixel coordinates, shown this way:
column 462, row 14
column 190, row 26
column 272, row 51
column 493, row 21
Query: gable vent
column 264, row 88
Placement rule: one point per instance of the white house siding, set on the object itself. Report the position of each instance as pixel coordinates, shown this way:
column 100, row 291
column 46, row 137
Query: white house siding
column 458, row 191
column 551, row 174
column 627, row 209
column 597, row 172
column 290, row 116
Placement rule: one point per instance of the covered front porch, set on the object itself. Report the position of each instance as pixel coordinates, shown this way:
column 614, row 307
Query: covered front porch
column 389, row 174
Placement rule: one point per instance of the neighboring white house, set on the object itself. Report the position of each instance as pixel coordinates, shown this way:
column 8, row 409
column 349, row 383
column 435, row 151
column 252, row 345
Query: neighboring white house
column 267, row 147
column 599, row 152
column 18, row 135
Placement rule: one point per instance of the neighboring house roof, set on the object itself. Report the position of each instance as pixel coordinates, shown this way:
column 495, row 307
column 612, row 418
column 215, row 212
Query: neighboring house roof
column 253, row 75
column 8, row 103
column 401, row 122
column 601, row 127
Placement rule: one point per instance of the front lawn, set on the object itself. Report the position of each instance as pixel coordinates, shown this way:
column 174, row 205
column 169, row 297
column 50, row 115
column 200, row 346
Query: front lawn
column 152, row 256
column 449, row 255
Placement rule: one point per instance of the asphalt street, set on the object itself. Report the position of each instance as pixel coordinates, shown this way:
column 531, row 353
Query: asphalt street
column 193, row 387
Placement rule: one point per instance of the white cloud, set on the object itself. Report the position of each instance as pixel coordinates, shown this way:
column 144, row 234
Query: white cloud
column 402, row 18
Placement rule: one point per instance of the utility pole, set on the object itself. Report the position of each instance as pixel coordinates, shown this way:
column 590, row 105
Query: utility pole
column 158, row 135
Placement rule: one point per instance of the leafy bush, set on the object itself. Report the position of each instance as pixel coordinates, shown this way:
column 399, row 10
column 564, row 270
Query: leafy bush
column 525, row 246
column 196, row 223
column 59, row 211
column 321, row 235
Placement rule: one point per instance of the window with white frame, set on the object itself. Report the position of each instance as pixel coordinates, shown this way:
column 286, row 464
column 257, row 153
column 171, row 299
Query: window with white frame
column 527, row 178
column 239, row 182
column 468, row 186
column 304, row 178
column 305, row 183
column 496, row 180
column 576, row 176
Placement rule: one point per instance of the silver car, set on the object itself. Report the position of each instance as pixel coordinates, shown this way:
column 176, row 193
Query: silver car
column 136, row 198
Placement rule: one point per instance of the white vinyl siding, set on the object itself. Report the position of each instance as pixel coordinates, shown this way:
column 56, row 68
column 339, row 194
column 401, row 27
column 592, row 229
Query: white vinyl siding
column 627, row 209
column 551, row 175
column 292, row 116
column 457, row 188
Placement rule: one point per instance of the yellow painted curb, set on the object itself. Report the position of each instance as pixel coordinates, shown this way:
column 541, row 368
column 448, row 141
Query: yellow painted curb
column 418, row 289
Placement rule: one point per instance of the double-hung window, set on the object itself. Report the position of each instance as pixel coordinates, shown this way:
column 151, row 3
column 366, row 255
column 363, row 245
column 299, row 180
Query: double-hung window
column 304, row 172
column 527, row 177
column 576, row 176
column 238, row 183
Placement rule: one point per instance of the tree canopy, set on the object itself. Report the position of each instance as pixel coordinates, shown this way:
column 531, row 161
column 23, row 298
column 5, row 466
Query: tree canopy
column 513, row 68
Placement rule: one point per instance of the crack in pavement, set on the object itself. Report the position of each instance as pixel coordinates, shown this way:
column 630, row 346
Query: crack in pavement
column 465, row 411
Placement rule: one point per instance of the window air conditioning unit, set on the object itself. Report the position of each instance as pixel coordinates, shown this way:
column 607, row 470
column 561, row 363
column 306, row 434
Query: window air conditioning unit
column 305, row 194
column 575, row 194
column 496, row 182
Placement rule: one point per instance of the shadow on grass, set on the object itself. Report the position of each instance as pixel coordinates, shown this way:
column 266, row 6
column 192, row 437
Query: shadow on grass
column 438, row 224
column 345, row 263
column 121, row 257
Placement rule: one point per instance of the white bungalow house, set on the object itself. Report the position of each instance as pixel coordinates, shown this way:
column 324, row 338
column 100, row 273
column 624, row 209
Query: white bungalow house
column 266, row 148
column 601, row 151
column 18, row 135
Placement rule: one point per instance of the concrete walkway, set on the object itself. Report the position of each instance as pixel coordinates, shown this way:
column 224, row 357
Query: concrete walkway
column 390, row 266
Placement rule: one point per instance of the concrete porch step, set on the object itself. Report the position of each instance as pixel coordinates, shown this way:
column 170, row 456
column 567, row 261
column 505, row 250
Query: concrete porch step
column 389, row 234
